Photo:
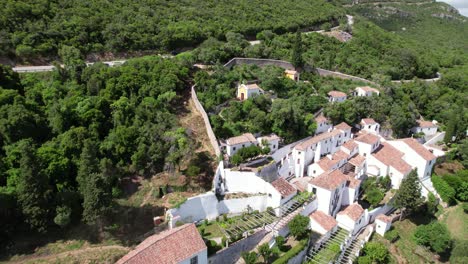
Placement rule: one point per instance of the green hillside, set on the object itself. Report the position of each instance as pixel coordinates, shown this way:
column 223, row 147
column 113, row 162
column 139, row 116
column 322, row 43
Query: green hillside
column 30, row 29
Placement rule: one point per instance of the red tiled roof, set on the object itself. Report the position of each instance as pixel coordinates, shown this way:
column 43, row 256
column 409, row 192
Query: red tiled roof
column 171, row 246
column 368, row 89
column 353, row 182
column 368, row 138
column 390, row 156
column 305, row 144
column 425, row 124
column 244, row 138
column 343, row 126
column 384, row 218
column 357, row 160
column 270, row 137
column 283, row 187
column 320, row 119
column 419, row 149
column 326, row 164
column 301, row 183
column 340, row 155
column 327, row 222
column 329, row 181
column 252, row 86
column 353, row 211
column 336, row 94
column 350, row 144
column 368, row 121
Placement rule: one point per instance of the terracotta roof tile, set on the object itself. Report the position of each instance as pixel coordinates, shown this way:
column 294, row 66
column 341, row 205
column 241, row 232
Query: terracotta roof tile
column 252, row 86
column 390, row 156
column 357, row 160
column 419, row 149
column 343, row 126
column 327, row 222
column 171, row 246
column 350, row 145
column 368, row 138
column 384, row 218
column 290, row 71
column 368, row 89
column 353, row 182
column 353, row 211
column 329, row 181
column 244, row 138
column 283, row 187
column 307, row 143
column 321, row 119
column 368, row 121
column 425, row 124
column 336, row 94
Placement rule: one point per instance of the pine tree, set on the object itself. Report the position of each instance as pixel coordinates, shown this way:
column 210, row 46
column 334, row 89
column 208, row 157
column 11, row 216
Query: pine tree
column 89, row 163
column 97, row 197
column 408, row 197
column 32, row 189
column 296, row 59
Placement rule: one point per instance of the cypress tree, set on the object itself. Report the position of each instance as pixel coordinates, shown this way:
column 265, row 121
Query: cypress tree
column 408, row 197
column 296, row 59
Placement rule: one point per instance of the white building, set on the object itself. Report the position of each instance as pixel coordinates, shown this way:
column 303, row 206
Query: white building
column 182, row 245
column 329, row 188
column 271, row 140
column 367, row 143
column 336, row 96
column 417, row 155
column 323, row 124
column 370, row 125
column 388, row 161
column 383, row 224
column 322, row 223
column 426, row 127
column 246, row 91
column 352, row 218
column 365, row 91
column 235, row 143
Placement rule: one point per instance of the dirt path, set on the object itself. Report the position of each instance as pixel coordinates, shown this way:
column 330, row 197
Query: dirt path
column 69, row 253
column 192, row 120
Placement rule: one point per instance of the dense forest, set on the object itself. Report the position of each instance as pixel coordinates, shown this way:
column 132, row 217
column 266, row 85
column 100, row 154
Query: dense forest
column 32, row 29
column 68, row 138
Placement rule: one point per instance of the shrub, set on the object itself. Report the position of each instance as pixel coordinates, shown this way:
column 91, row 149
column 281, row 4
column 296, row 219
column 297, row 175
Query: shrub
column 392, row 235
column 249, row 257
column 375, row 252
column 292, row 253
column 459, row 252
column 374, row 196
column 446, row 192
column 213, row 247
column 279, row 241
column 435, row 235
column 299, row 225
column 465, row 208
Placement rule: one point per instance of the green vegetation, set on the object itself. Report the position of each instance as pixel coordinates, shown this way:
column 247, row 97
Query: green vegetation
column 434, row 235
column 299, row 225
column 249, row 257
column 70, row 137
column 292, row 252
column 374, row 252
column 443, row 189
column 391, row 235
column 246, row 153
column 374, row 189
column 408, row 197
column 38, row 29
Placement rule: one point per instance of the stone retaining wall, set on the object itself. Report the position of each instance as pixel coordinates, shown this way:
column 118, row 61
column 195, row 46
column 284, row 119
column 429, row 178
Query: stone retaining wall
column 209, row 130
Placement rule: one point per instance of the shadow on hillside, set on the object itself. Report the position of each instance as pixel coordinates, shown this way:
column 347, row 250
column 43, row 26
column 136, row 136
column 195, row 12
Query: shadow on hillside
column 124, row 225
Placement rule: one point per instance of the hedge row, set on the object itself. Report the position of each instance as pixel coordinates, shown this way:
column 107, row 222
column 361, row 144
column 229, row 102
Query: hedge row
column 293, row 252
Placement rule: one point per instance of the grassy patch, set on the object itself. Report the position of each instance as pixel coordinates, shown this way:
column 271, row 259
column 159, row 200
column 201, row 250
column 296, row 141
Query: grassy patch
column 407, row 247
column 211, row 230
column 456, row 221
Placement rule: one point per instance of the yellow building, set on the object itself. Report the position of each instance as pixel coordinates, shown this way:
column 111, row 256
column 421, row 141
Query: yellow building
column 291, row 74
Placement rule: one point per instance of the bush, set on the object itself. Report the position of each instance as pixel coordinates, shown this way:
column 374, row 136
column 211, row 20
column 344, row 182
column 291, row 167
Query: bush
column 446, row 192
column 374, row 196
column 435, row 235
column 459, row 254
column 465, row 208
column 213, row 247
column 299, row 225
column 279, row 241
column 374, row 252
column 292, row 253
column 249, row 257
column 392, row 235
column 246, row 153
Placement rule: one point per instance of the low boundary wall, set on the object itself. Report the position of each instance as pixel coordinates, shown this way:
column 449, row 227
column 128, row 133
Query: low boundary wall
column 209, row 129
column 288, row 66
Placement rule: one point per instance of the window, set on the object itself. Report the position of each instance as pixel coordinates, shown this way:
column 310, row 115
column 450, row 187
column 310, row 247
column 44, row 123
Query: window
column 346, row 134
column 194, row 260
column 298, row 161
column 369, row 126
column 234, row 148
column 243, row 145
column 274, row 146
column 313, row 172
